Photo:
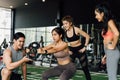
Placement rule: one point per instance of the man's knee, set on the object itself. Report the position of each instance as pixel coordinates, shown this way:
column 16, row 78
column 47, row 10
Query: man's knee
column 5, row 71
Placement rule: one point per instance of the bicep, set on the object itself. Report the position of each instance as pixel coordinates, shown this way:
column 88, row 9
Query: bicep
column 61, row 47
column 47, row 47
column 58, row 48
column 83, row 33
column 7, row 58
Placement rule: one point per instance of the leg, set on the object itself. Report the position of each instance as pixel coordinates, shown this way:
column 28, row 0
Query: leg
column 69, row 71
column 15, row 76
column 112, row 63
column 56, row 71
column 73, row 56
column 5, row 73
column 84, row 63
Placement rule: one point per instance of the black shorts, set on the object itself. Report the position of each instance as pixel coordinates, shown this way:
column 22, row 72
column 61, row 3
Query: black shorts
column 15, row 76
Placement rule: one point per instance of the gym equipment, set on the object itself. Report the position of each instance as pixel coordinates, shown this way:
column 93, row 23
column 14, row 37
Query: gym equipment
column 90, row 48
column 4, row 43
column 3, row 46
column 47, row 59
column 43, row 58
column 33, row 50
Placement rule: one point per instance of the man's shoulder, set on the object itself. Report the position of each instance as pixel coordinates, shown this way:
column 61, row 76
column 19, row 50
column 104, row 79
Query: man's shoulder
column 7, row 51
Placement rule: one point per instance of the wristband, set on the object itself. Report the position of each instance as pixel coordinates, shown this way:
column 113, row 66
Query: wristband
column 46, row 52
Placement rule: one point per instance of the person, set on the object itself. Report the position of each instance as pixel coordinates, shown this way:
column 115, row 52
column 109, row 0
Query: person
column 13, row 57
column 59, row 48
column 110, row 35
column 76, row 47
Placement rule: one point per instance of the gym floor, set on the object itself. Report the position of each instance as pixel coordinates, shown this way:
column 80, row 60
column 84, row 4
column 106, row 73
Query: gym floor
column 34, row 73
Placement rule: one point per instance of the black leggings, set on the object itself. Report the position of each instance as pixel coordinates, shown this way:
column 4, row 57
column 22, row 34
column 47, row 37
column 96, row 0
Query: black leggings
column 65, row 72
column 82, row 59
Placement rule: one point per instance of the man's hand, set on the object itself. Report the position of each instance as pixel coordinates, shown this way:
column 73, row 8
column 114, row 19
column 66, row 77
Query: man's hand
column 27, row 50
column 25, row 59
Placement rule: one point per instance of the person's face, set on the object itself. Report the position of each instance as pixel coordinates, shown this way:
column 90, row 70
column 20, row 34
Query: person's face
column 66, row 25
column 19, row 42
column 99, row 16
column 56, row 36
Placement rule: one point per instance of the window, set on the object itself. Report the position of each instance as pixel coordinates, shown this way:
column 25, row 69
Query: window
column 5, row 25
column 35, row 34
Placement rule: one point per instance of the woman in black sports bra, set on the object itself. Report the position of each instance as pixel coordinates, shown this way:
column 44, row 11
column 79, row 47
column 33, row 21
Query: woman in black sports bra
column 75, row 45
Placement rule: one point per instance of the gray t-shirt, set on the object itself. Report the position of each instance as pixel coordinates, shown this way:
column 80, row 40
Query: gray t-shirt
column 16, row 56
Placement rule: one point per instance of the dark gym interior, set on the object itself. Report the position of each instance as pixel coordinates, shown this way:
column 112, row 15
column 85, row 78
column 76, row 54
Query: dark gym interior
column 34, row 16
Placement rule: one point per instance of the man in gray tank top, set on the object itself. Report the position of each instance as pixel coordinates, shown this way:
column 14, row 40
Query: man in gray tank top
column 13, row 58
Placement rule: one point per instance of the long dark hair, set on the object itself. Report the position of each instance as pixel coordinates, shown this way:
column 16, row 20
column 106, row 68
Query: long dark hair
column 60, row 31
column 104, row 8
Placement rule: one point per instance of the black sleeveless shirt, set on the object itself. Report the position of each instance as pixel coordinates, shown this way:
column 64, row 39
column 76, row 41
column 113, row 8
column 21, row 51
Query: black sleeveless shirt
column 74, row 37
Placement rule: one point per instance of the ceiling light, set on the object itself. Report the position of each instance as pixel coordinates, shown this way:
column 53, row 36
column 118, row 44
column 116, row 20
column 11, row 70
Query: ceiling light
column 11, row 6
column 43, row 0
column 26, row 4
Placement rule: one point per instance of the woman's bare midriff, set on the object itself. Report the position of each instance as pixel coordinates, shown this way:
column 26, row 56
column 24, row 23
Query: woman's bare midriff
column 107, row 43
column 75, row 43
column 64, row 62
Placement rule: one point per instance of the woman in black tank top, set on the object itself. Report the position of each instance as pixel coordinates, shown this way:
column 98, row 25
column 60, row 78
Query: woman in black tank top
column 76, row 46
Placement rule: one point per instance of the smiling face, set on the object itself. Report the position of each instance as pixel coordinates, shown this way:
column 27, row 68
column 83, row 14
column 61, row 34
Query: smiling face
column 19, row 43
column 66, row 24
column 99, row 16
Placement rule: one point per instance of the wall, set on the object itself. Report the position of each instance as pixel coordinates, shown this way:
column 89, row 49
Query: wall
column 81, row 11
column 46, row 14
column 37, row 14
